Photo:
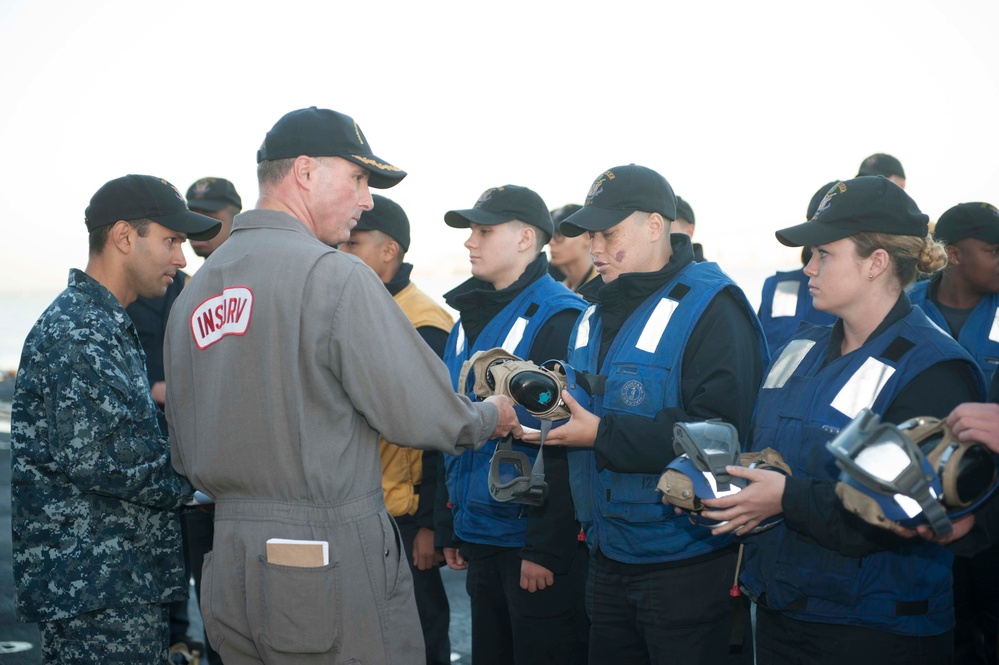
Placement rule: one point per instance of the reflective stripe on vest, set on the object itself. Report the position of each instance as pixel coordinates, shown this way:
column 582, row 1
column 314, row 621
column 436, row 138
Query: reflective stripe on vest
column 654, row 328
column 515, row 335
column 583, row 328
column 785, row 302
column 459, row 344
column 863, row 388
column 784, row 367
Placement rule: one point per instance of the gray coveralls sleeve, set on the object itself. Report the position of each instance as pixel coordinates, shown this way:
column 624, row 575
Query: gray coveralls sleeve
column 277, row 413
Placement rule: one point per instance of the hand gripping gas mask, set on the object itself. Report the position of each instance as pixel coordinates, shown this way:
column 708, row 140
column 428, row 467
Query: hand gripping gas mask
column 698, row 472
column 536, row 391
column 911, row 474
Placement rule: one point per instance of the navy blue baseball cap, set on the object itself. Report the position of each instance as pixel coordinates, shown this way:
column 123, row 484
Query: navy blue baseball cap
column 499, row 205
column 133, row 197
column 870, row 204
column 316, row 132
column 213, row 194
column 388, row 217
column 616, row 194
column 968, row 220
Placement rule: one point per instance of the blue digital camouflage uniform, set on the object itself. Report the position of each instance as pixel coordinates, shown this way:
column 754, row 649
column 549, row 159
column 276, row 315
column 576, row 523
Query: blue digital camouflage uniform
column 93, row 493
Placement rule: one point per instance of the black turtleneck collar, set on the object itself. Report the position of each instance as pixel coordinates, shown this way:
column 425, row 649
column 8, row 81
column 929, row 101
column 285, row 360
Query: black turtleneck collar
column 898, row 312
column 478, row 302
column 400, row 280
column 629, row 290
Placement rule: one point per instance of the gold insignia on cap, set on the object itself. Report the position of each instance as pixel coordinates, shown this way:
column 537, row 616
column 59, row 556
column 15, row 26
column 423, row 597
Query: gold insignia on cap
column 175, row 192
column 376, row 164
column 357, row 130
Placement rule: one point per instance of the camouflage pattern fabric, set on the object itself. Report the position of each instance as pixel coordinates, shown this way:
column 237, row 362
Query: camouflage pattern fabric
column 128, row 635
column 93, row 494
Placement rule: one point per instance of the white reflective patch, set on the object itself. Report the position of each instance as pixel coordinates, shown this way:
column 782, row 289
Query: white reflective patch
column 785, row 302
column 656, row 325
column 994, row 332
column 863, row 388
column 583, row 329
column 789, row 359
column 908, row 504
column 459, row 344
column 515, row 335
column 228, row 313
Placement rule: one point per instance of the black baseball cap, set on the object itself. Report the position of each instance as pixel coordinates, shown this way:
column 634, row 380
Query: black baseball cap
column 968, row 220
column 865, row 204
column 684, row 211
column 499, row 205
column 616, row 194
column 388, row 217
column 316, row 132
column 213, row 194
column 135, row 197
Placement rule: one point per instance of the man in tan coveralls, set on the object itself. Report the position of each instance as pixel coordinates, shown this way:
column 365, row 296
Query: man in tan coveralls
column 303, row 339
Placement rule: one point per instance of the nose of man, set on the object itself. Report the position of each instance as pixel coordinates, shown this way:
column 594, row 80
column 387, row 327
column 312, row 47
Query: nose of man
column 365, row 201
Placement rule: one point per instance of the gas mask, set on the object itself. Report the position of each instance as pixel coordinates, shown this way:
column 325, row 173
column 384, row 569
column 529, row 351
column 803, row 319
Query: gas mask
column 536, row 391
column 698, row 472
column 910, row 474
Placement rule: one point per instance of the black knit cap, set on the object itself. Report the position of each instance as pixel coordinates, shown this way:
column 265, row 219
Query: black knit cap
column 865, row 204
column 388, row 217
column 316, row 132
column 968, row 220
column 499, row 205
column 616, row 194
column 133, row 197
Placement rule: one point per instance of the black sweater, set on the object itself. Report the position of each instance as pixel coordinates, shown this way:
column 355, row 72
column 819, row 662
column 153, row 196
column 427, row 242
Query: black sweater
column 720, row 375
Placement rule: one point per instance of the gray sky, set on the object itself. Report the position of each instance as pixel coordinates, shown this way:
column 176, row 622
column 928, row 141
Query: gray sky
column 746, row 108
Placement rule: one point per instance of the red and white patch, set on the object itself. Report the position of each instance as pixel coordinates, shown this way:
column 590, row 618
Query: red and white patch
column 225, row 314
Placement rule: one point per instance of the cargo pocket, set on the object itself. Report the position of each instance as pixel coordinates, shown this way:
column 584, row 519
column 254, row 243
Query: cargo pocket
column 300, row 608
column 396, row 564
column 212, row 630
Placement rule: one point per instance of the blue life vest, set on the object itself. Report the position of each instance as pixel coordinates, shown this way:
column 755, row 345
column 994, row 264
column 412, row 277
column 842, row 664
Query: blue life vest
column 785, row 303
column 478, row 518
column 979, row 334
column 800, row 407
column 622, row 513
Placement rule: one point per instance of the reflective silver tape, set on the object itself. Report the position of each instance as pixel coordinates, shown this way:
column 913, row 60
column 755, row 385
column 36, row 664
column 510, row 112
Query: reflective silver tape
column 863, row 388
column 656, row 325
column 515, row 335
column 789, row 359
column 583, row 330
column 785, row 302
column 459, row 343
